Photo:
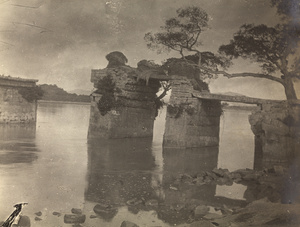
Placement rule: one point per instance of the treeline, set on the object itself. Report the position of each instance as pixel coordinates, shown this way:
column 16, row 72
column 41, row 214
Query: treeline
column 54, row 93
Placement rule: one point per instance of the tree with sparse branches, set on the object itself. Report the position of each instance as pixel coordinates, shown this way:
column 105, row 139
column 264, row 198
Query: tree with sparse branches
column 274, row 48
column 182, row 34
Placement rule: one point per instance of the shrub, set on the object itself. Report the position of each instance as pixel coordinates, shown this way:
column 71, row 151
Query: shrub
column 31, row 94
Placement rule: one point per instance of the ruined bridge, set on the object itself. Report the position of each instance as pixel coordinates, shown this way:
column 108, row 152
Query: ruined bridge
column 125, row 105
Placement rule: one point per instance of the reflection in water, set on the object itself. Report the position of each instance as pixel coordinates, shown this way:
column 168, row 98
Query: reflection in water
column 119, row 170
column 236, row 140
column 54, row 168
column 17, row 143
column 126, row 172
column 10, row 132
column 180, row 196
column 52, row 179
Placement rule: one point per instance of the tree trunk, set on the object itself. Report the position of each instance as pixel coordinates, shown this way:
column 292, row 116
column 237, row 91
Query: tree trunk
column 289, row 88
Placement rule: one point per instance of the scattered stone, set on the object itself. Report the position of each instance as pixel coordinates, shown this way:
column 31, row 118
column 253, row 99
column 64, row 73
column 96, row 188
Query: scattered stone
column 106, row 212
column 202, row 224
column 185, row 176
column 218, row 172
column 212, row 176
column 177, row 208
column 93, row 216
column 231, row 224
column 250, row 176
column 244, row 172
column 212, row 216
column 128, row 224
column 223, row 180
column 37, row 219
column 198, row 181
column 24, row 221
column 201, row 174
column 152, row 202
column 174, row 188
column 76, row 225
column 133, row 202
column 38, row 213
column 235, row 176
column 200, row 211
column 207, row 179
column 134, row 209
column 76, row 211
column 56, row 214
column 225, row 210
column 74, row 218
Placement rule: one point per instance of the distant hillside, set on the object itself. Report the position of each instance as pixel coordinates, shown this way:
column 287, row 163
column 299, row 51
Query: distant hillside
column 80, row 92
column 54, row 93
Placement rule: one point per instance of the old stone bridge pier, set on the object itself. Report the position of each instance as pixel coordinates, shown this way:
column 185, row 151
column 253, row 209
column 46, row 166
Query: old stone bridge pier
column 125, row 104
column 14, row 107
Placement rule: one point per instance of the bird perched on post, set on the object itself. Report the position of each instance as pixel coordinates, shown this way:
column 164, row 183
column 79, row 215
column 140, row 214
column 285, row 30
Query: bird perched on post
column 10, row 220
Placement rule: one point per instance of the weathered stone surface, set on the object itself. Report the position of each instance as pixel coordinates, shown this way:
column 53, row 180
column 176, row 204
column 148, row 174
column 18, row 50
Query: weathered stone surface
column 276, row 129
column 190, row 122
column 14, row 108
column 134, row 117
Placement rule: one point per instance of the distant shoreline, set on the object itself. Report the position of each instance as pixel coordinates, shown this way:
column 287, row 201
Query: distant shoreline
column 64, row 102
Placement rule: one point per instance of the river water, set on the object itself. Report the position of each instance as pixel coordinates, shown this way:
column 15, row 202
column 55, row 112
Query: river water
column 54, row 168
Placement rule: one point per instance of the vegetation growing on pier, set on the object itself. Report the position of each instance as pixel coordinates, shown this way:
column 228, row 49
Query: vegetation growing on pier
column 107, row 87
column 31, row 94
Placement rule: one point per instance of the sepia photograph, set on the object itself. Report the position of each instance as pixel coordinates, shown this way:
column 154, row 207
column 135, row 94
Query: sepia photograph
column 149, row 113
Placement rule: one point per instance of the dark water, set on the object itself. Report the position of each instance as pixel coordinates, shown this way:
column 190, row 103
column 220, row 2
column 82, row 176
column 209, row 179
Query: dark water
column 53, row 167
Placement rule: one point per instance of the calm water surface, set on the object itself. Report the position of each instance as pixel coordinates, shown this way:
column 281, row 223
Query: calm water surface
column 53, row 167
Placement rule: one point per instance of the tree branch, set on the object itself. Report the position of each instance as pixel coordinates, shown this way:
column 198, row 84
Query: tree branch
column 164, row 93
column 257, row 75
column 233, row 75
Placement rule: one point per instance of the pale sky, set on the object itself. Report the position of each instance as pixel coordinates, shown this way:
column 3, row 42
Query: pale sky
column 60, row 41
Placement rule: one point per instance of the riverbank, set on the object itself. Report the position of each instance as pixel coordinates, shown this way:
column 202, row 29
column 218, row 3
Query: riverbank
column 272, row 199
column 274, row 196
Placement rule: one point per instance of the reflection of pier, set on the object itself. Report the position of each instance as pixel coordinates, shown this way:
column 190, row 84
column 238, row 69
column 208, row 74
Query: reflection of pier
column 119, row 170
column 14, row 151
column 190, row 162
column 122, row 173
